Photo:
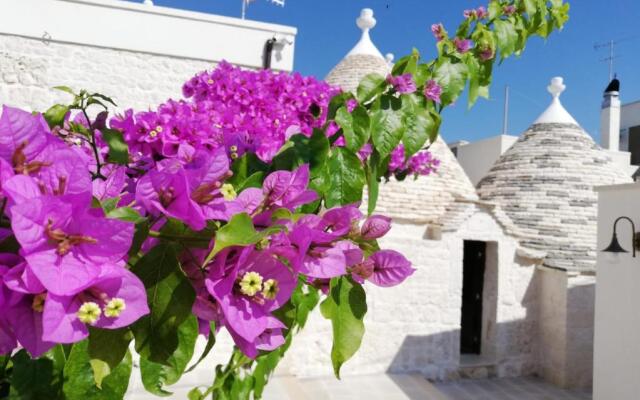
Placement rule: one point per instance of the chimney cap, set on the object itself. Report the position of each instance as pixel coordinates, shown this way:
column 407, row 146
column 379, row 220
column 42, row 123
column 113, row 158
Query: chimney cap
column 614, row 86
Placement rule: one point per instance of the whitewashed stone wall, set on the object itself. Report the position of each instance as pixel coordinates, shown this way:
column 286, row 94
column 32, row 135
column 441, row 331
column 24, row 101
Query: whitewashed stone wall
column 29, row 68
column 415, row 327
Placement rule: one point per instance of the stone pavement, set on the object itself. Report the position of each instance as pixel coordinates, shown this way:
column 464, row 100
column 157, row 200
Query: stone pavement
column 506, row 389
column 400, row 387
column 414, row 387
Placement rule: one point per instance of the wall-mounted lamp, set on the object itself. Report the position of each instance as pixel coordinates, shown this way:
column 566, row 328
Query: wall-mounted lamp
column 615, row 247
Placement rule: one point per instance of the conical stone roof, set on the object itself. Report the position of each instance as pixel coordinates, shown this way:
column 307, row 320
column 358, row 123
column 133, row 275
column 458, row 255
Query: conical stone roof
column 363, row 59
column 428, row 198
column 545, row 184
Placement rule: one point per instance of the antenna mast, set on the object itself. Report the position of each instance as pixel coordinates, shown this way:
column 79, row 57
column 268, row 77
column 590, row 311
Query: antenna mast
column 505, row 120
column 611, row 45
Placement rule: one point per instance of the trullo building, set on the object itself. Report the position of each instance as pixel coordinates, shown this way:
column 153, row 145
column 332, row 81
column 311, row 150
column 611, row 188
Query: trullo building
column 505, row 273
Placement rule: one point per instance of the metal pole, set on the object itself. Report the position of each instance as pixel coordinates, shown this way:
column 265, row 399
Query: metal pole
column 611, row 44
column 244, row 8
column 505, row 121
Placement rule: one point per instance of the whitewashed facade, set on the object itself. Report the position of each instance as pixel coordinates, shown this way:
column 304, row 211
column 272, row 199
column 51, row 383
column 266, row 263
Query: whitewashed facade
column 141, row 55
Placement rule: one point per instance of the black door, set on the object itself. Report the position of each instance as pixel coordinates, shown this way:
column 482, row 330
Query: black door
column 472, row 285
column 634, row 144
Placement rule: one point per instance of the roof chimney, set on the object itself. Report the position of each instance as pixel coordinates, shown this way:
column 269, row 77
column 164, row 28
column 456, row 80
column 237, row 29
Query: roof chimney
column 610, row 117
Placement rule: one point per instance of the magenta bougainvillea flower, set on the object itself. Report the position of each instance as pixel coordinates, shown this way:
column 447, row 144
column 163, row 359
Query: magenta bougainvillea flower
column 509, row 9
column 462, row 45
column 390, row 268
column 438, row 32
column 432, row 90
column 114, row 299
column 65, row 244
column 421, row 163
column 376, row 226
column 238, row 110
column 402, row 83
column 248, row 285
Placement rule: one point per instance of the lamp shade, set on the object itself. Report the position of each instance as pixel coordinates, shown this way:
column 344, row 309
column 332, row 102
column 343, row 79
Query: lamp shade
column 615, row 247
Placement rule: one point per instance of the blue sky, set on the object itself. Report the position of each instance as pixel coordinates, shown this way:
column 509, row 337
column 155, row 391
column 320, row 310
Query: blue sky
column 327, row 31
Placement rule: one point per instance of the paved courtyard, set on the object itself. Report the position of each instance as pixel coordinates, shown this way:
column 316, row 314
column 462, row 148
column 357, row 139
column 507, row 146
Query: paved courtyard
column 413, row 387
column 396, row 387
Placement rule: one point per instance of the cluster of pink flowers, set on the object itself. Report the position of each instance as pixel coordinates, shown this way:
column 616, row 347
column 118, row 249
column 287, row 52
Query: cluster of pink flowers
column 71, row 269
column 69, row 272
column 421, row 163
column 479, row 13
column 231, row 108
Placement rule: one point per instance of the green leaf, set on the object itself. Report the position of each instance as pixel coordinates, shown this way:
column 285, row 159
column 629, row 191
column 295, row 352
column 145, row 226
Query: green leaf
column 386, row 125
column 105, row 98
column 452, row 77
column 494, row 9
column 530, row 7
column 303, row 150
column 239, row 231
column 355, row 127
column 422, row 75
column 370, row 87
column 170, row 296
column 407, row 64
column 55, row 115
column 109, row 205
column 418, row 125
column 245, row 167
column 36, row 379
column 305, row 298
column 346, row 178
column 506, row 37
column 254, row 180
column 211, row 341
column 79, row 380
column 373, row 184
column 156, row 376
column 345, row 306
column 118, row 148
column 125, row 214
column 65, row 89
column 107, row 348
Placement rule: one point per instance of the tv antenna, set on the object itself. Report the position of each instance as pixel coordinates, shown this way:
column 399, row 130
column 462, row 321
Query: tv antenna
column 611, row 45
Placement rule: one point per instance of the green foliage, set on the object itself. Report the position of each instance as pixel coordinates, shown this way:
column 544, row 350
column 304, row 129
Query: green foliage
column 386, row 124
column 118, row 148
column 239, row 231
column 345, row 306
column 37, row 379
column 56, row 114
column 155, row 376
column 355, row 127
column 346, row 178
column 79, row 380
column 170, row 296
column 370, row 87
column 107, row 348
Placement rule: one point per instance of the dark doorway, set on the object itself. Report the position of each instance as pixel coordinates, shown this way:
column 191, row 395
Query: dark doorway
column 634, row 144
column 475, row 254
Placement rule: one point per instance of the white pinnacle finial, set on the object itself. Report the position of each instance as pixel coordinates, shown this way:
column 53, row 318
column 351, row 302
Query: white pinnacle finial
column 556, row 87
column 365, row 46
column 366, row 21
column 556, row 113
column 389, row 58
column 148, row 2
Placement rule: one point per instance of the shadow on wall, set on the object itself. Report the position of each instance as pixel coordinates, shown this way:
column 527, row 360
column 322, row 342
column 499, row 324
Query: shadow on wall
column 547, row 331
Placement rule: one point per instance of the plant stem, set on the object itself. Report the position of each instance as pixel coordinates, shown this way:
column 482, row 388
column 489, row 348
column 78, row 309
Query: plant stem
column 94, row 146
